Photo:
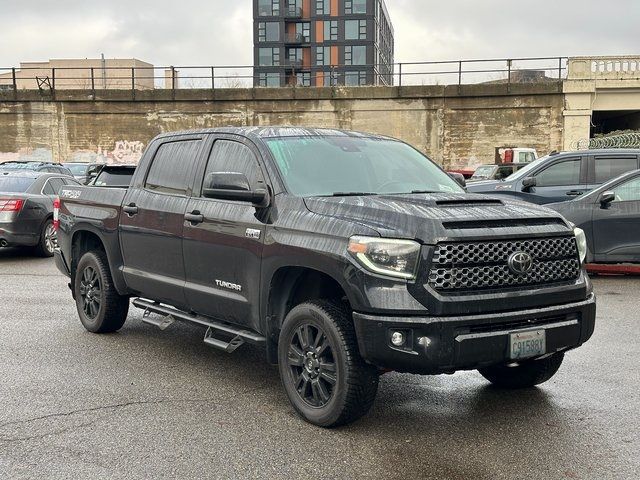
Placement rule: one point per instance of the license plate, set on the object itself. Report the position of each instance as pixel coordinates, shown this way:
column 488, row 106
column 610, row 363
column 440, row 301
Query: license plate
column 527, row 344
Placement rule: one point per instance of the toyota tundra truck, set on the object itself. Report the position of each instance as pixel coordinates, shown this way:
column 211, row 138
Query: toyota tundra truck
column 344, row 255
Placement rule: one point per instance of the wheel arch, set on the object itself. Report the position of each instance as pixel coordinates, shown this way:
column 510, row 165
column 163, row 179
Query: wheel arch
column 289, row 286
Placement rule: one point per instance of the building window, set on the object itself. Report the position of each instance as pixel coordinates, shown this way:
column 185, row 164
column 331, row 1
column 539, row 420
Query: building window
column 355, row 29
column 268, row 31
column 268, row 8
column 323, row 55
column 268, row 57
column 323, row 7
column 355, row 55
column 269, row 80
column 330, row 79
column 354, row 79
column 355, row 6
column 303, row 79
column 331, row 30
column 304, row 30
column 294, row 54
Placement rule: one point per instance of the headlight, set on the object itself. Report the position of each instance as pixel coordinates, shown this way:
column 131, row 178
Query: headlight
column 581, row 240
column 387, row 256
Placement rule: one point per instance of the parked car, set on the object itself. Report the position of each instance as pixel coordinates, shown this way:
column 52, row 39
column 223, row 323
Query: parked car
column 37, row 167
column 562, row 176
column 339, row 253
column 26, row 209
column 515, row 155
column 496, row 172
column 114, row 176
column 84, row 172
column 610, row 218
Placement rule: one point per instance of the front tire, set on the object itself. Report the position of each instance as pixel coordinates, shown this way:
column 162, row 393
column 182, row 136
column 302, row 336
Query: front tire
column 100, row 307
column 526, row 374
column 327, row 381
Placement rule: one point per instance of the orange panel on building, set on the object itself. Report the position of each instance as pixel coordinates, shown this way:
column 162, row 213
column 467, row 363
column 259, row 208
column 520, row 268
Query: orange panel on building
column 306, row 8
column 319, row 79
column 319, row 31
column 334, row 56
column 334, row 8
column 306, row 57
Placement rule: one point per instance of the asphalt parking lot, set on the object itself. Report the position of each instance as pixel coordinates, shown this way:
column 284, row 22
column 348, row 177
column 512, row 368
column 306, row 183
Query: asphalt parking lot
column 149, row 404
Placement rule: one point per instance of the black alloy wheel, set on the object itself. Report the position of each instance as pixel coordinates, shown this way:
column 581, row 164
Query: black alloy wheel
column 312, row 365
column 90, row 292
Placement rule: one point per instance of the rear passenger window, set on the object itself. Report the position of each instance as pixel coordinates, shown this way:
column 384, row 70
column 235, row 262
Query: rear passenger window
column 611, row 167
column 230, row 156
column 173, row 167
column 53, row 186
column 563, row 173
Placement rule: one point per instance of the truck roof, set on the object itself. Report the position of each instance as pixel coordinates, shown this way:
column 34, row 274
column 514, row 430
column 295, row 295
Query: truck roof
column 278, row 131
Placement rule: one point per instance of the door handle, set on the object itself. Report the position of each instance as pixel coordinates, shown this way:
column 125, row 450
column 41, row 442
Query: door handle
column 130, row 209
column 194, row 217
column 574, row 193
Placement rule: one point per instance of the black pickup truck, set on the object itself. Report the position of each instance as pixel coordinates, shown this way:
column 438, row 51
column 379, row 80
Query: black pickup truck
column 343, row 254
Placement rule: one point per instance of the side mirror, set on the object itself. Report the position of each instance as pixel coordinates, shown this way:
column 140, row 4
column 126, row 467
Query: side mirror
column 606, row 198
column 528, row 183
column 233, row 186
column 459, row 178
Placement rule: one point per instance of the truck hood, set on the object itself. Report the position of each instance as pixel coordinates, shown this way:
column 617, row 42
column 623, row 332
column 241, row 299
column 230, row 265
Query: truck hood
column 429, row 217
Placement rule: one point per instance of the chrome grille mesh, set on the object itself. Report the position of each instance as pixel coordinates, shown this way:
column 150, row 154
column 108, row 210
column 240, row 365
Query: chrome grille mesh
column 483, row 265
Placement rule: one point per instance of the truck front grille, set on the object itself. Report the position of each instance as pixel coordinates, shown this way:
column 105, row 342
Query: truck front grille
column 485, row 265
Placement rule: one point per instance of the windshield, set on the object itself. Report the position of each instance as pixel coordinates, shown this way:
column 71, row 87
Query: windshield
column 335, row 165
column 78, row 168
column 524, row 171
column 15, row 184
column 483, row 172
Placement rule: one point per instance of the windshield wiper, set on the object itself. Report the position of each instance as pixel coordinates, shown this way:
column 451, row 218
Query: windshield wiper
column 424, row 191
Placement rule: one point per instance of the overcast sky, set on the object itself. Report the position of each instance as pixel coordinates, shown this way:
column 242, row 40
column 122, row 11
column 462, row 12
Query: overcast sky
column 205, row 32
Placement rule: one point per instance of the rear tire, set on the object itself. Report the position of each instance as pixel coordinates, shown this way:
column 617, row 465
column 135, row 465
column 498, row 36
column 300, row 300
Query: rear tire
column 48, row 240
column 527, row 374
column 327, row 381
column 100, row 307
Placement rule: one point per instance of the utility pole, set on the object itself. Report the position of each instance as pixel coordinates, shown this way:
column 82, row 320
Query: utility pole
column 103, row 64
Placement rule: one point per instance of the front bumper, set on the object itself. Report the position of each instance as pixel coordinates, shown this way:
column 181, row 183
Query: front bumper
column 445, row 344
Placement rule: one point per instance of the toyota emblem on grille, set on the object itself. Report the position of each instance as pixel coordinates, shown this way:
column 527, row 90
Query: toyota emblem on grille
column 520, row 263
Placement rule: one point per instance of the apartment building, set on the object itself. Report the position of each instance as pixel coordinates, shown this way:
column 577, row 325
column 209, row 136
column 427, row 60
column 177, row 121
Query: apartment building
column 322, row 43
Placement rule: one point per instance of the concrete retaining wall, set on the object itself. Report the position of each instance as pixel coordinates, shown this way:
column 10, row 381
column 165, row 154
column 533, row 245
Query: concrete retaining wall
column 456, row 127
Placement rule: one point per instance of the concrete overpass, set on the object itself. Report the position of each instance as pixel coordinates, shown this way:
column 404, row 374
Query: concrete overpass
column 458, row 125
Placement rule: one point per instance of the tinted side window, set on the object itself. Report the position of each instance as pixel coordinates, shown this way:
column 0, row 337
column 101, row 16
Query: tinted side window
column 173, row 166
column 230, row 156
column 53, row 186
column 629, row 191
column 608, row 168
column 563, row 173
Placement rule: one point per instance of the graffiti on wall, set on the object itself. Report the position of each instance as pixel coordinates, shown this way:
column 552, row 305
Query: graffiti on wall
column 122, row 151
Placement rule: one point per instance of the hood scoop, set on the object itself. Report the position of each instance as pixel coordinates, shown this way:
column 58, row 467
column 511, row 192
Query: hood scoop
column 502, row 223
column 468, row 202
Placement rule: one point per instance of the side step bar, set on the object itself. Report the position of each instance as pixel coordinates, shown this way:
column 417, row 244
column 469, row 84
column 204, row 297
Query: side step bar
column 239, row 336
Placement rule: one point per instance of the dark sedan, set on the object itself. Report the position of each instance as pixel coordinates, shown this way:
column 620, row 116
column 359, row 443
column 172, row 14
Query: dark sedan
column 43, row 167
column 26, row 209
column 610, row 217
column 84, row 172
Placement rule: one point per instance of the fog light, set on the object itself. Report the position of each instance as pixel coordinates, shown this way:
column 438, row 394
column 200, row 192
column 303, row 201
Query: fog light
column 397, row 339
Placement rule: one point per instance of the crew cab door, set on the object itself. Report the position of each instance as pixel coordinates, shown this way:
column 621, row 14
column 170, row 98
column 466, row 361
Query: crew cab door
column 223, row 248
column 152, row 219
column 564, row 179
column 604, row 167
column 616, row 227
